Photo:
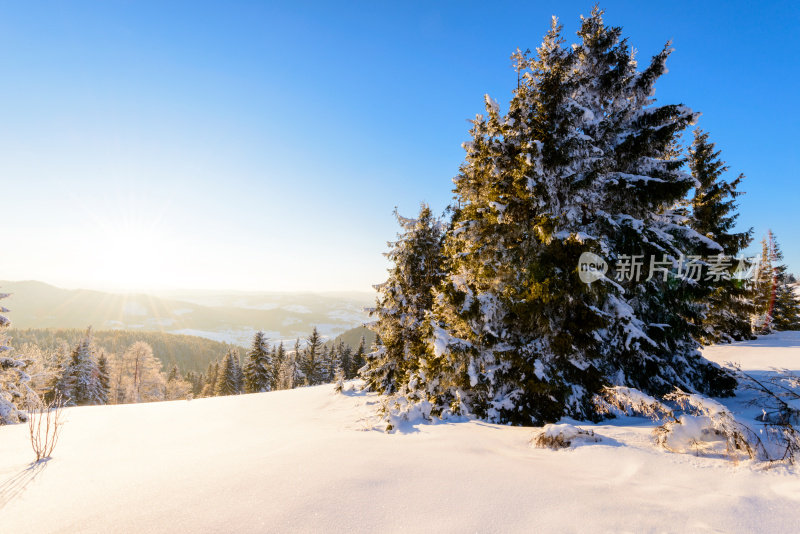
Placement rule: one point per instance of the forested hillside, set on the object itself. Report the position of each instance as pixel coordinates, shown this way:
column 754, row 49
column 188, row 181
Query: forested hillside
column 189, row 353
column 352, row 338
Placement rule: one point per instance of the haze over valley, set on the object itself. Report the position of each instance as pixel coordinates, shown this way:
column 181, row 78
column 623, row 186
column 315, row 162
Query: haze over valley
column 230, row 317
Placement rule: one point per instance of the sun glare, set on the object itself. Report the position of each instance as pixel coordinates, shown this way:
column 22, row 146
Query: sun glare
column 131, row 257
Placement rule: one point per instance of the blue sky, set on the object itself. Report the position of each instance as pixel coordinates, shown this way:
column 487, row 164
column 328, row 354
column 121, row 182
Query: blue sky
column 263, row 146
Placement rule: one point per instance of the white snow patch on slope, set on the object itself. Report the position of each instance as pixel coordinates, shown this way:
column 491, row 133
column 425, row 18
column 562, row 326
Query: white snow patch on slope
column 310, row 460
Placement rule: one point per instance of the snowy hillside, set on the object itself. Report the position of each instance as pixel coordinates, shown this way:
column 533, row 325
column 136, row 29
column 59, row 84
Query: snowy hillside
column 310, row 460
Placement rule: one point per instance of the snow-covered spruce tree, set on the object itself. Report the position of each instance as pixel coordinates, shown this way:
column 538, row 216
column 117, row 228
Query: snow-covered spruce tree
column 229, row 381
column 83, row 375
column 402, row 313
column 258, row 371
column 772, row 284
column 212, row 373
column 57, row 390
column 280, row 368
column 338, row 379
column 197, row 381
column 239, row 372
column 582, row 162
column 766, row 283
column 787, row 308
column 310, row 362
column 730, row 305
column 14, row 390
column 781, row 298
column 293, row 374
column 335, row 362
column 326, row 364
column 278, row 359
column 345, row 358
column 358, row 359
column 103, row 377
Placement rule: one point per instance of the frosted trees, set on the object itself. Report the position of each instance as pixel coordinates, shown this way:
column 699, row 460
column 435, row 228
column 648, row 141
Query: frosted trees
column 777, row 305
column 358, row 358
column 82, row 376
column 177, row 387
column 14, row 390
column 103, row 377
column 229, row 378
column 258, row 372
column 344, row 356
column 310, row 362
column 786, row 314
column 138, row 376
column 404, row 303
column 729, row 301
column 212, row 373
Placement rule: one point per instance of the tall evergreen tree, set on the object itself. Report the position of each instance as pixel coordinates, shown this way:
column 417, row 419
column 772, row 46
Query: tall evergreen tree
column 777, row 304
column 345, row 359
column 174, row 373
column 787, row 307
column 83, row 375
column 259, row 372
column 311, row 364
column 197, row 380
column 358, row 358
column 212, row 374
column 326, row 364
column 239, row 372
column 14, row 389
column 279, row 364
column 103, row 377
column 293, row 374
column 583, row 162
column 729, row 301
column 57, row 390
column 766, row 287
column 404, row 303
column 228, row 380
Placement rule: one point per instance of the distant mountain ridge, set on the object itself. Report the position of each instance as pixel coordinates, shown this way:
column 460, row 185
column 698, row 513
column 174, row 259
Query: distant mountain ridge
column 220, row 316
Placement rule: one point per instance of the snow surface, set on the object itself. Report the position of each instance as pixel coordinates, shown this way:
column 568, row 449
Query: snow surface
column 310, row 460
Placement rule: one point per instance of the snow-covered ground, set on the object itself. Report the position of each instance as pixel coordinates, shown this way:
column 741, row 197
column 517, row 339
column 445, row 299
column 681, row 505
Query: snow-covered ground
column 310, row 460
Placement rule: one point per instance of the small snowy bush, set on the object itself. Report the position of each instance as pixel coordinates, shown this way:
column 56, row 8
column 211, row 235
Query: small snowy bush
column 44, row 426
column 399, row 410
column 705, row 427
column 562, row 436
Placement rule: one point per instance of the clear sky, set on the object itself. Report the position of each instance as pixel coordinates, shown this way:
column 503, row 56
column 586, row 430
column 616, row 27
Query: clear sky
column 264, row 145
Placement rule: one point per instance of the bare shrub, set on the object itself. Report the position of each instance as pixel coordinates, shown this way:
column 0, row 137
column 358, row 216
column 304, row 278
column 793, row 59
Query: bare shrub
column 44, row 425
column 778, row 397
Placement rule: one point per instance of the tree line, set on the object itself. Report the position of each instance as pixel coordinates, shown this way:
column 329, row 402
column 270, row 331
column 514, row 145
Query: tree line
column 86, row 374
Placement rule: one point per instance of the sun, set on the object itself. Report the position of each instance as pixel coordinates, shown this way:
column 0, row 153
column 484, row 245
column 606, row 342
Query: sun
column 131, row 254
